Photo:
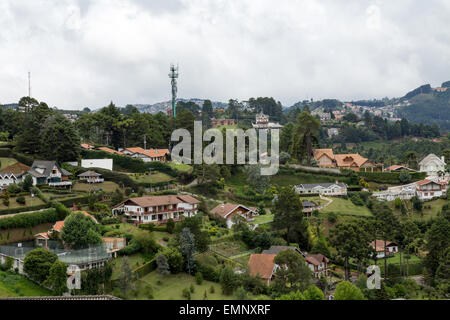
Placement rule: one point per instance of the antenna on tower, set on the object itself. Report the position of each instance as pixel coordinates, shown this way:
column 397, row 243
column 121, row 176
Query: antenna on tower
column 29, row 84
column 173, row 75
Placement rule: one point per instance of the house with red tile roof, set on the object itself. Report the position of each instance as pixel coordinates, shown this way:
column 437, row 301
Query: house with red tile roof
column 157, row 209
column 109, row 150
column 147, row 155
column 230, row 210
column 326, row 158
column 429, row 189
column 263, row 265
column 378, row 246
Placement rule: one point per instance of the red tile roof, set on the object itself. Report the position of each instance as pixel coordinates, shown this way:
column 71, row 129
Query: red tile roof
column 109, row 150
column 150, row 201
column 261, row 264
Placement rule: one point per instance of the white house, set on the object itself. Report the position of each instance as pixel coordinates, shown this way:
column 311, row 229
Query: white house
column 230, row 210
column 326, row 189
column 429, row 189
column 158, row 209
column 91, row 177
column 97, row 163
column 7, row 178
column 148, row 155
column 432, row 164
column 378, row 245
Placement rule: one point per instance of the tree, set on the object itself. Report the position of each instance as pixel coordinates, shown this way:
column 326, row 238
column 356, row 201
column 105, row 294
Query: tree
column 345, row 290
column 288, row 215
column 37, row 264
column 60, row 140
column 207, row 113
column 286, row 137
column 80, row 231
column 437, row 242
column 187, row 248
column 293, row 273
column 27, row 183
column 297, row 295
column 170, row 225
column 194, row 224
column 174, row 259
column 162, row 264
column 305, row 134
column 146, row 241
column 284, row 157
column 404, row 177
column 57, row 278
column 117, row 197
column 350, row 240
column 125, row 278
column 256, row 179
column 410, row 231
column 313, row 293
column 227, row 280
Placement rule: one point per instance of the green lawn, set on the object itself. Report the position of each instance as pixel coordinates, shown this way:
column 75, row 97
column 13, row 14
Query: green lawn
column 342, row 206
column 15, row 285
column 430, row 209
column 135, row 260
column 6, row 162
column 107, row 186
column 28, row 202
column 265, row 218
column 181, row 167
column 170, row 287
column 152, row 178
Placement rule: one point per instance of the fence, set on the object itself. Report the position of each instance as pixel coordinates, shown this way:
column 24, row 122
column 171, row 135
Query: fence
column 95, row 253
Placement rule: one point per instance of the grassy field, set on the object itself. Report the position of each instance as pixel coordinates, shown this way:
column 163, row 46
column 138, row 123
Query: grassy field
column 5, row 162
column 28, row 202
column 15, row 285
column 152, row 178
column 170, row 287
column 107, row 186
column 342, row 206
column 23, row 234
column 430, row 209
column 181, row 167
column 136, row 260
column 265, row 218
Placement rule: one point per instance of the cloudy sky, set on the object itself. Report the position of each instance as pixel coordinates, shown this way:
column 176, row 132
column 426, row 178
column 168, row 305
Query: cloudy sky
column 89, row 52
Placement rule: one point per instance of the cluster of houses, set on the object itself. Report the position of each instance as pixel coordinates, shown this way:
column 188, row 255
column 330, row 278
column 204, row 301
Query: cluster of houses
column 147, row 155
column 264, row 266
column 42, row 172
column 262, row 122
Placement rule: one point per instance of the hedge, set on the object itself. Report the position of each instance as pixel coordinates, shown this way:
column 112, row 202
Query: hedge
column 145, row 269
column 32, row 219
column 23, row 209
column 10, row 153
column 389, row 177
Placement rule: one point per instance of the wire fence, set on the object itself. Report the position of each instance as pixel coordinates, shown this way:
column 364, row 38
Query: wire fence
column 93, row 253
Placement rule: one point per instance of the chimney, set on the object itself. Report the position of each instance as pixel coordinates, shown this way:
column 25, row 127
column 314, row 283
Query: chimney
column 336, row 181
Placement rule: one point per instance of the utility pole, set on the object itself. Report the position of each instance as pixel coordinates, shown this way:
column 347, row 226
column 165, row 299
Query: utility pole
column 173, row 75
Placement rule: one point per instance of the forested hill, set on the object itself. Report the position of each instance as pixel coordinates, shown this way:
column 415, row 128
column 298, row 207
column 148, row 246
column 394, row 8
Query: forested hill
column 428, row 106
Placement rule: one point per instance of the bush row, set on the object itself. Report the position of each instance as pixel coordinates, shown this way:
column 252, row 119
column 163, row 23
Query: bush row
column 57, row 213
column 145, row 269
column 23, row 209
column 389, row 177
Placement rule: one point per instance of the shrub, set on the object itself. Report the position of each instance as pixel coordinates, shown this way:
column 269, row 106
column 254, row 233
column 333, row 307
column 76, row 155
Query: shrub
column 20, row 200
column 186, row 293
column 199, row 278
column 332, row 217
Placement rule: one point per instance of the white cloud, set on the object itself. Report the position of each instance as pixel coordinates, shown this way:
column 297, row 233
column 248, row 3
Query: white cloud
column 86, row 53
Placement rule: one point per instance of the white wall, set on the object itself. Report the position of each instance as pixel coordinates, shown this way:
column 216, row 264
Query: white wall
column 97, row 163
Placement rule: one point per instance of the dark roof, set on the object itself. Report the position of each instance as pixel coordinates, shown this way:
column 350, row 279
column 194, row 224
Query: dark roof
column 325, row 185
column 90, row 173
column 307, row 203
column 316, row 259
column 277, row 249
column 47, row 166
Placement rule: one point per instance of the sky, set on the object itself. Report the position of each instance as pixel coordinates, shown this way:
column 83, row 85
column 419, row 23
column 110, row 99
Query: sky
column 86, row 53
